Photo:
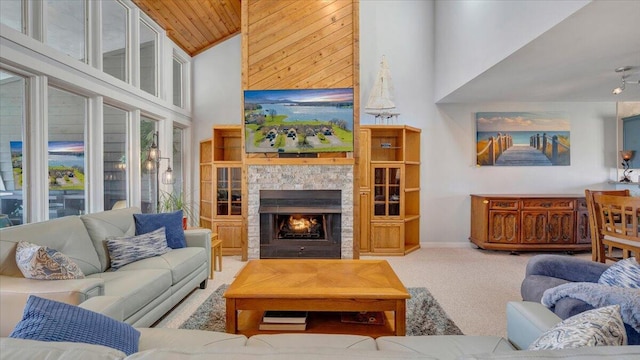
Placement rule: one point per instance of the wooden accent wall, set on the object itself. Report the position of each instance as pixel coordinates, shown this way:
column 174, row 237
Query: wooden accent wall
column 300, row 44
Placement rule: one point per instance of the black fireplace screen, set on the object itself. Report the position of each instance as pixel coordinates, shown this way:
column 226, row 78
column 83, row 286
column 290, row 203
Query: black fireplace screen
column 300, row 226
column 300, row 223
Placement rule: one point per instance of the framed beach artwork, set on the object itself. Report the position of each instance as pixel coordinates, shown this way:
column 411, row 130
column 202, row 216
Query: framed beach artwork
column 523, row 139
column 66, row 164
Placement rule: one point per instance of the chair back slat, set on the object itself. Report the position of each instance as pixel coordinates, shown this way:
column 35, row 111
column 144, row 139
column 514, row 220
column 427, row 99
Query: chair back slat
column 598, row 252
column 620, row 222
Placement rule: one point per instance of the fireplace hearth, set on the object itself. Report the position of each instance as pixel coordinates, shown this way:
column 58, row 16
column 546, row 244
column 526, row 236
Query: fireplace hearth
column 300, row 224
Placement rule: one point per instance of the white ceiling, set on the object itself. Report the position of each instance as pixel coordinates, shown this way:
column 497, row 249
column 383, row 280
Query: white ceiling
column 574, row 61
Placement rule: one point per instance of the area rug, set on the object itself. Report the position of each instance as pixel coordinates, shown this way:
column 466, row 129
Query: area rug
column 424, row 315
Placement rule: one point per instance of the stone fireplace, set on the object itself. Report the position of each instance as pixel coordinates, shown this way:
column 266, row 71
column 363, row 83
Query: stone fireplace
column 275, row 211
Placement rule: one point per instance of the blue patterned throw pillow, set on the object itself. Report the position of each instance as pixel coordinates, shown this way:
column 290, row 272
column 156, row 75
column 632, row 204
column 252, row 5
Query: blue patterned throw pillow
column 125, row 250
column 624, row 273
column 598, row 327
column 48, row 320
column 44, row 263
column 171, row 221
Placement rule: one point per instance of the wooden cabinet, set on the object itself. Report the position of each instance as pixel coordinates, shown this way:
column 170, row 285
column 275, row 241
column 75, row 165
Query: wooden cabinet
column 529, row 222
column 389, row 189
column 222, row 188
column 206, row 184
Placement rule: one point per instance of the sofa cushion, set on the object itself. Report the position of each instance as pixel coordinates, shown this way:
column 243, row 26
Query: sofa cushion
column 103, row 224
column 624, row 273
column 49, row 320
column 444, row 346
column 125, row 250
column 598, row 327
column 67, row 235
column 44, row 263
column 136, row 288
column 171, row 221
column 260, row 353
column 181, row 262
column 310, row 340
column 34, row 349
column 153, row 338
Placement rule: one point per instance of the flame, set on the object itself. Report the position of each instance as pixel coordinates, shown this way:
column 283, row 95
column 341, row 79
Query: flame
column 301, row 223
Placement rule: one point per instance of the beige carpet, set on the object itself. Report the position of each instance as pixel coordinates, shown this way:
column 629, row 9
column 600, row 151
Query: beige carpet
column 473, row 286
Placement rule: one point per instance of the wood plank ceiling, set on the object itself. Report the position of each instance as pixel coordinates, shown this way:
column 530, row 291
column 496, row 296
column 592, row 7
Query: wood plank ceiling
column 195, row 25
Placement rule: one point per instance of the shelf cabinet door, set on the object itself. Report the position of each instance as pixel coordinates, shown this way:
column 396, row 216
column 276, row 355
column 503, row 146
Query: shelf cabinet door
column 503, row 226
column 230, row 232
column 387, row 238
column 228, row 184
column 387, row 191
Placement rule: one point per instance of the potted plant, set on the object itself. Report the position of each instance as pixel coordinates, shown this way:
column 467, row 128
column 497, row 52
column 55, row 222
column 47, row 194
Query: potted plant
column 171, row 201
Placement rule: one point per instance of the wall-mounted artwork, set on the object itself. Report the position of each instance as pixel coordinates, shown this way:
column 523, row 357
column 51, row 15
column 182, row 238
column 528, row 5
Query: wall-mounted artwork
column 298, row 120
column 66, row 164
column 523, row 139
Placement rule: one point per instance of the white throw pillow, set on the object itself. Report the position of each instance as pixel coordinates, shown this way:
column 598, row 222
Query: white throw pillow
column 624, row 273
column 44, row 263
column 598, row 327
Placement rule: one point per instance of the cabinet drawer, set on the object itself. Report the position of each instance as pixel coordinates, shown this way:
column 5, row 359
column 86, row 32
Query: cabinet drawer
column 548, row 203
column 503, row 204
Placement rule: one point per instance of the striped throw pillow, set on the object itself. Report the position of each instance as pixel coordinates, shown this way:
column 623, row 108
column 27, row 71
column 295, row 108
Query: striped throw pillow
column 125, row 250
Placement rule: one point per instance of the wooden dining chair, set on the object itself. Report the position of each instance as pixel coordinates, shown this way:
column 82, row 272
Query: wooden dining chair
column 597, row 246
column 620, row 217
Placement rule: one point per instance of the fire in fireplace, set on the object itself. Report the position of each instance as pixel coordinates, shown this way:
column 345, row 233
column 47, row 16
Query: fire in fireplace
column 300, row 223
column 300, row 226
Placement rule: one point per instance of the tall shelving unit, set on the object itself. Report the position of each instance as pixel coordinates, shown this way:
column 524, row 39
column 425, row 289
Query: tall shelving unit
column 226, row 189
column 390, row 194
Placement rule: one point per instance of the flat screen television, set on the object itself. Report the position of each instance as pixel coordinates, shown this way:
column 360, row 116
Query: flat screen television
column 298, row 120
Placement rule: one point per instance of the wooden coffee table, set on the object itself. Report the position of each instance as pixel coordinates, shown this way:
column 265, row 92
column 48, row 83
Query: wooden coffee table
column 324, row 288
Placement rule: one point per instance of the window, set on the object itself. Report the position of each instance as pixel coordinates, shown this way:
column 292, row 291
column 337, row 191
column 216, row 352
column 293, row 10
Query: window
column 11, row 14
column 66, row 159
column 178, row 160
column 148, row 58
column 115, row 159
column 149, row 182
column 66, row 27
column 177, row 83
column 12, row 149
column 114, row 39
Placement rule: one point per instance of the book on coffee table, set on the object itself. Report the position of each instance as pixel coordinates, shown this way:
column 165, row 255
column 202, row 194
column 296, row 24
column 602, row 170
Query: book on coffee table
column 283, row 326
column 284, row 317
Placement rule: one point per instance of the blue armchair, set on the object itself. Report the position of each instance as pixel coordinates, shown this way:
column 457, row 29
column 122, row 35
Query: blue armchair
column 548, row 271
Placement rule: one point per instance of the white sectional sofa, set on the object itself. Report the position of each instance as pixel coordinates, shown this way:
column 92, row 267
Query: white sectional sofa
column 526, row 321
column 139, row 293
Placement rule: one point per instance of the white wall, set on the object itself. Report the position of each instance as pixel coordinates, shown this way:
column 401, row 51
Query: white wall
column 472, row 36
column 404, row 32
column 216, row 94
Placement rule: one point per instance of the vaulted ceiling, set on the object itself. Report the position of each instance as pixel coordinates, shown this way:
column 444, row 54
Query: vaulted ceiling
column 574, row 61
column 195, row 25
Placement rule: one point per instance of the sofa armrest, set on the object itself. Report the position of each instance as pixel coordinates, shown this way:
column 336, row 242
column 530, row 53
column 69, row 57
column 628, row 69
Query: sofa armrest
column 565, row 267
column 200, row 237
column 15, row 291
column 111, row 306
column 526, row 321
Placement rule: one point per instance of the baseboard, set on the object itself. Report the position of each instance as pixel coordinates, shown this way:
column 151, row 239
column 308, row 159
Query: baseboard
column 432, row 245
